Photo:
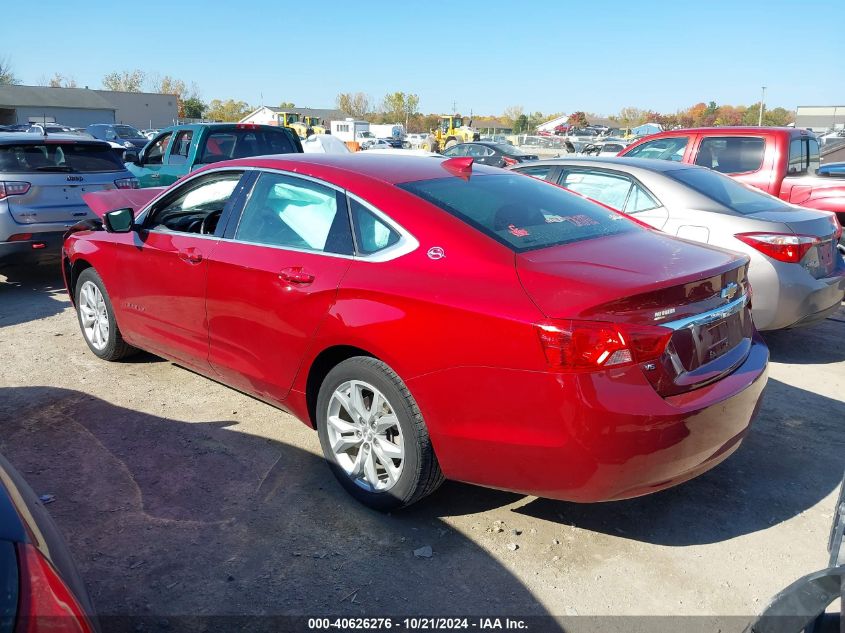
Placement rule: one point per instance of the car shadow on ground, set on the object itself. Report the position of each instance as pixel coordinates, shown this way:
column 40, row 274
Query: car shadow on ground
column 791, row 459
column 30, row 293
column 822, row 343
column 169, row 519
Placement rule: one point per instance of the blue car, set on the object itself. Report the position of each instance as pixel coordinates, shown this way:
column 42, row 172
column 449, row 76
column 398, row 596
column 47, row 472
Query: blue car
column 832, row 169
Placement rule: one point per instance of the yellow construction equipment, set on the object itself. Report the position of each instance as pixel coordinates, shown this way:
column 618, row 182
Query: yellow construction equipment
column 453, row 131
column 313, row 122
column 293, row 120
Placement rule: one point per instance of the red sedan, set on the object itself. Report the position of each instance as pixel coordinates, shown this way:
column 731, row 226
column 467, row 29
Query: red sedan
column 433, row 319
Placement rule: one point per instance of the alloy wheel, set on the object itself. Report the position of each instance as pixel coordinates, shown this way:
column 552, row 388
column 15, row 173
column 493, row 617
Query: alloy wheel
column 94, row 316
column 365, row 436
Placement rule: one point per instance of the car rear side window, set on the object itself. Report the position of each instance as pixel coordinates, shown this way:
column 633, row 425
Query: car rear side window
column 181, row 147
column 727, row 191
column 609, row 189
column 371, row 234
column 296, row 213
column 236, row 143
column 731, row 154
column 521, row 213
column 77, row 158
column 541, row 171
column 803, row 156
column 670, row 148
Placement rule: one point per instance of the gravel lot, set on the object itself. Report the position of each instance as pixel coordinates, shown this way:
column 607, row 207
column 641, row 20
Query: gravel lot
column 180, row 496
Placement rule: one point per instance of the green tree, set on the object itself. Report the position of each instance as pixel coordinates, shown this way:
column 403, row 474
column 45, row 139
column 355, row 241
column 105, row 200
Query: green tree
column 229, row 110
column 353, row 104
column 520, row 125
column 286, row 105
column 125, row 81
column 7, row 75
column 193, row 108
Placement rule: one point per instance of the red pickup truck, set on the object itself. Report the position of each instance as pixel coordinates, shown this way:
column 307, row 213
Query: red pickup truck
column 780, row 161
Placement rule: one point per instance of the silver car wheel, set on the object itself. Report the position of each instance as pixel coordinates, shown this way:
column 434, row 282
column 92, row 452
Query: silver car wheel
column 365, row 436
column 94, row 316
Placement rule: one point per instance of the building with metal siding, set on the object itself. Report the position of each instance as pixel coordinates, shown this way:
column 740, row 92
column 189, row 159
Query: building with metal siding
column 80, row 107
column 820, row 118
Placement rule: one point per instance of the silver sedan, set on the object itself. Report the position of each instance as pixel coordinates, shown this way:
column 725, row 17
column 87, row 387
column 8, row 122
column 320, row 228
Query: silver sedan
column 796, row 273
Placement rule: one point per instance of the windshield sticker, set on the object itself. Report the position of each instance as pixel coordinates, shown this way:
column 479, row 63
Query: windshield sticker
column 517, row 231
column 580, row 220
column 551, row 219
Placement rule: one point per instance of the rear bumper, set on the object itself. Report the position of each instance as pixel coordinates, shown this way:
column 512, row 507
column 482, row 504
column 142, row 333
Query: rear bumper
column 42, row 247
column 584, row 437
column 787, row 296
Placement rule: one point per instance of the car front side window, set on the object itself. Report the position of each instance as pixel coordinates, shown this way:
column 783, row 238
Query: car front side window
column 196, row 206
column 155, row 152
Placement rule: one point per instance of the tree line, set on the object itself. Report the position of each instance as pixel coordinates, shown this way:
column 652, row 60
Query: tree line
column 401, row 107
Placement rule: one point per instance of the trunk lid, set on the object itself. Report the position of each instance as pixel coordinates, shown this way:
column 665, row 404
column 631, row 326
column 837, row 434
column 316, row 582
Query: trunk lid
column 646, row 278
column 102, row 202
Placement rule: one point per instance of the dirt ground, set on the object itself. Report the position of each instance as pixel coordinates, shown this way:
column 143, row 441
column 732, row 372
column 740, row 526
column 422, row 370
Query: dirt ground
column 179, row 496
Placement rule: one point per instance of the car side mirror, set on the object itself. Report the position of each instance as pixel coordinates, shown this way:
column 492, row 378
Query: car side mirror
column 119, row 221
column 131, row 156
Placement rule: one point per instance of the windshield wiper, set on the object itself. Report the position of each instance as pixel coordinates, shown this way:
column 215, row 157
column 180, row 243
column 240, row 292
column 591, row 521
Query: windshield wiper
column 53, row 168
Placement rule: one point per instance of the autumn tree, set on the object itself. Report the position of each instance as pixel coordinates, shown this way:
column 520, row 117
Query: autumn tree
column 353, row 104
column 630, row 117
column 168, row 85
column 578, row 119
column 229, row 110
column 7, row 75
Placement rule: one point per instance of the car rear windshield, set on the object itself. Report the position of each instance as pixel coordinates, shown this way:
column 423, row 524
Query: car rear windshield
column 522, row 213
column 726, row 191
column 127, row 131
column 227, row 144
column 59, row 157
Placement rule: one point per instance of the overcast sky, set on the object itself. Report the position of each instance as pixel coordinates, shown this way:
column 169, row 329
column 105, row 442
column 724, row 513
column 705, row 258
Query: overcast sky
column 482, row 55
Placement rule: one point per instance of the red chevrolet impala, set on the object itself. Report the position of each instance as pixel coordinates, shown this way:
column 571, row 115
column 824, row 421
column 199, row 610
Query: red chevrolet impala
column 433, row 319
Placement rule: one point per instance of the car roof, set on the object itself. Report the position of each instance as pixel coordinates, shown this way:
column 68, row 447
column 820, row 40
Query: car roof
column 30, row 138
column 382, row 167
column 649, row 164
column 729, row 131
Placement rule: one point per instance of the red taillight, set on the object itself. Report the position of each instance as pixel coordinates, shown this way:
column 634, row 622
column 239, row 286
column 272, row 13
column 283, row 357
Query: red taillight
column 20, row 237
column 46, row 602
column 784, row 247
column 571, row 345
column 14, row 188
column 246, row 126
column 509, row 161
column 127, row 183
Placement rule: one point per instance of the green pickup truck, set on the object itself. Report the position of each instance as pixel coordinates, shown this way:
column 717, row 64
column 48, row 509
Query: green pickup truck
column 180, row 149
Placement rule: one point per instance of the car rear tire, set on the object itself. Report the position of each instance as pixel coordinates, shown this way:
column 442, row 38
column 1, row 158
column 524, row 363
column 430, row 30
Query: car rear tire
column 373, row 435
column 96, row 318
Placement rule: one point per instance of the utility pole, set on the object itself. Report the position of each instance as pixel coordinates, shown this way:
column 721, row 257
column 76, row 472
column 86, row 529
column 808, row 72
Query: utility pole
column 762, row 105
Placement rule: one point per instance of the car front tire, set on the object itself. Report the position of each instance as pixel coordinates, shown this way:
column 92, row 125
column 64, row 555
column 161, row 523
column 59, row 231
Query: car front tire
column 96, row 318
column 373, row 435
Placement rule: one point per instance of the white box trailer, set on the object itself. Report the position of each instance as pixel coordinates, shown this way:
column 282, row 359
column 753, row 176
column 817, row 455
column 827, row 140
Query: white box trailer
column 389, row 130
column 350, row 130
